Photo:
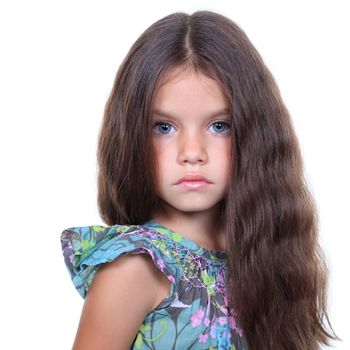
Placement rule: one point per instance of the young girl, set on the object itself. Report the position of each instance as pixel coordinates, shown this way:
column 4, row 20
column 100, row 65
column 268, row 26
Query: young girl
column 212, row 239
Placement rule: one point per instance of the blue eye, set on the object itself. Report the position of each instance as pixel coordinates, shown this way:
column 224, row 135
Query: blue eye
column 165, row 126
column 222, row 126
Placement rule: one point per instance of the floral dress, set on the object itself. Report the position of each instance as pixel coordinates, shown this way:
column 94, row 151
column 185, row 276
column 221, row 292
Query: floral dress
column 193, row 315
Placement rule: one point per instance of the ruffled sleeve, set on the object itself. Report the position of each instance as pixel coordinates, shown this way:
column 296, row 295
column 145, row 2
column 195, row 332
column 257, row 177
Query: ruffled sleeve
column 86, row 248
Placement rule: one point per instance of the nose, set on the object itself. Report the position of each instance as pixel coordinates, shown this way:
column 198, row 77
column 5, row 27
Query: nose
column 192, row 149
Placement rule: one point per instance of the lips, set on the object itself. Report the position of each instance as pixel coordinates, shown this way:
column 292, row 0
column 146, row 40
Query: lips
column 192, row 177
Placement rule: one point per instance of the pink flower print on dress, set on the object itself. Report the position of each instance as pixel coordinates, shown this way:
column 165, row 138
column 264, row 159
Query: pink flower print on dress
column 213, row 332
column 232, row 321
column 197, row 318
column 160, row 263
column 151, row 253
column 220, row 284
column 233, row 325
column 207, row 321
column 222, row 320
column 203, row 338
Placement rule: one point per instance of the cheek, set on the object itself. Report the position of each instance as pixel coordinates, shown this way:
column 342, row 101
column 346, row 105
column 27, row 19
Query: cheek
column 223, row 156
column 163, row 158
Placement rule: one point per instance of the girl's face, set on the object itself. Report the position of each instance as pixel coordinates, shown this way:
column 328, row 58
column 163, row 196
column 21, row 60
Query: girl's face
column 192, row 135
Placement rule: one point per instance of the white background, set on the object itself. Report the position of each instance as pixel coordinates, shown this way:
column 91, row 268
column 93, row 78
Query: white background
column 58, row 61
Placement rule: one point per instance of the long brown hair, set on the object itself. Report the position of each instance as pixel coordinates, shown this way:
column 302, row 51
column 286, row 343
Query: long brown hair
column 277, row 273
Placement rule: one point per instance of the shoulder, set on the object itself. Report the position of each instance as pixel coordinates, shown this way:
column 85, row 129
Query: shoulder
column 131, row 277
column 121, row 294
column 122, row 249
column 140, row 278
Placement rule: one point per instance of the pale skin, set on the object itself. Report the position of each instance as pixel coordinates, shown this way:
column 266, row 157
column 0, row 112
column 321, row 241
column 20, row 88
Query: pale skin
column 114, row 311
column 125, row 290
column 193, row 142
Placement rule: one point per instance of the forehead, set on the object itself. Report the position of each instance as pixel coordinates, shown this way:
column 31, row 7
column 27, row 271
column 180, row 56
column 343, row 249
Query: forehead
column 182, row 75
column 191, row 91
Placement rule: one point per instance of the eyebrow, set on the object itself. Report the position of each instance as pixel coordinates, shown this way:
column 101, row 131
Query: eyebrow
column 167, row 114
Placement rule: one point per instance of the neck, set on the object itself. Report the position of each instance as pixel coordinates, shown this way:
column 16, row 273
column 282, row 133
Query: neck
column 204, row 228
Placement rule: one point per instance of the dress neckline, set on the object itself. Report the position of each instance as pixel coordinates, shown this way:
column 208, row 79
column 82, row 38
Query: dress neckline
column 210, row 254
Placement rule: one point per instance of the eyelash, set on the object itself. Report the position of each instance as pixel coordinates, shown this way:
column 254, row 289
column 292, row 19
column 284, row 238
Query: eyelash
column 160, row 122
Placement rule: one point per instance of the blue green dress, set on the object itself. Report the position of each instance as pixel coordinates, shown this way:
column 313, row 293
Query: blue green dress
column 194, row 314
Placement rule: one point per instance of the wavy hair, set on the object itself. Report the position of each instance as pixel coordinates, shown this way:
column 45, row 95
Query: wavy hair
column 277, row 271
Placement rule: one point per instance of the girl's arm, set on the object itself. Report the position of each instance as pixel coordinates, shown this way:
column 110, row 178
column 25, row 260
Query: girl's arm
column 120, row 296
